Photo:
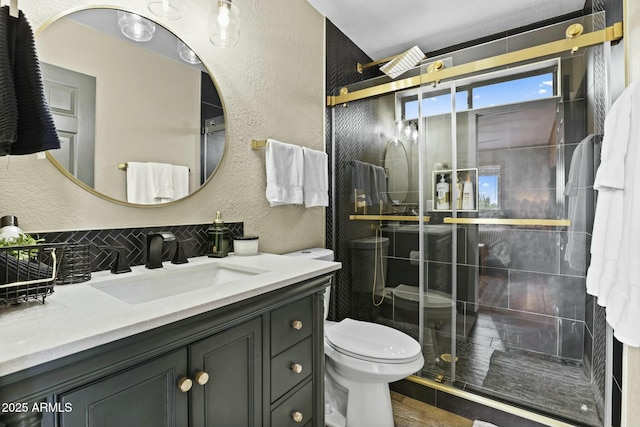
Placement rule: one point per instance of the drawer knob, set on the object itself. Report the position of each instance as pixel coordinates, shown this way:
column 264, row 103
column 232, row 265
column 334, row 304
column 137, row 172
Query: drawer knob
column 184, row 384
column 297, row 416
column 296, row 324
column 296, row 367
column 202, row 377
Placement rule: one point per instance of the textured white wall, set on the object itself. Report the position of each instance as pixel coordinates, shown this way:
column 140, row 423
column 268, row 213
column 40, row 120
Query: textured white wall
column 631, row 356
column 272, row 85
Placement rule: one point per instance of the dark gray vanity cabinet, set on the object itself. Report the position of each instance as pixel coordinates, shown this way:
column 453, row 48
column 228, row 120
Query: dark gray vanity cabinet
column 258, row 362
column 145, row 395
column 232, row 364
column 223, row 390
column 292, row 364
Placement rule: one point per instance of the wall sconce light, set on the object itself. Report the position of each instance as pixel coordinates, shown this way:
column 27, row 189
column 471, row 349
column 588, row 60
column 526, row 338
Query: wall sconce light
column 224, row 23
column 135, row 27
column 186, row 54
column 169, row 9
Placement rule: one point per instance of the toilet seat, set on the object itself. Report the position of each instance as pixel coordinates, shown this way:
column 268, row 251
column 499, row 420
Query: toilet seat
column 372, row 342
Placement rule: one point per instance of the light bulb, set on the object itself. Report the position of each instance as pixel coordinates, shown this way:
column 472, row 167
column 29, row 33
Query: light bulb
column 223, row 16
column 225, row 24
column 136, row 27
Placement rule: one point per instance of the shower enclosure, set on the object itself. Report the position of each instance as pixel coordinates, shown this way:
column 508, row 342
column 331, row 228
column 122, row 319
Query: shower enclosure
column 480, row 242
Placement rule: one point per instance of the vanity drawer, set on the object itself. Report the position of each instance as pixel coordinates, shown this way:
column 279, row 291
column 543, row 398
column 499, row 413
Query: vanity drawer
column 290, row 367
column 291, row 324
column 296, row 411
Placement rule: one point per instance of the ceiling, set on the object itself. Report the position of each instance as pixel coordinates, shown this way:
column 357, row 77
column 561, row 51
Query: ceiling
column 105, row 20
column 383, row 28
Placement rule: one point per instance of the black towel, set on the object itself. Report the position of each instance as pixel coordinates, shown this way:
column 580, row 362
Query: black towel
column 8, row 103
column 26, row 124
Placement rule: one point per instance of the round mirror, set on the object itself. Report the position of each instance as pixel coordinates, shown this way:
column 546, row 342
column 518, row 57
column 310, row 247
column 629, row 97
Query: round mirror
column 139, row 117
column 397, row 163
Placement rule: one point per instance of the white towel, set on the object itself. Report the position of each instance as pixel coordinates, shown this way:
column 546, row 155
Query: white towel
column 161, row 180
column 138, row 185
column 180, row 182
column 614, row 273
column 285, row 173
column 316, row 178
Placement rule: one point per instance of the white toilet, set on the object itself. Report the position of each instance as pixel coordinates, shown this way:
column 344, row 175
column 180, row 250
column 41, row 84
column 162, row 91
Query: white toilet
column 361, row 359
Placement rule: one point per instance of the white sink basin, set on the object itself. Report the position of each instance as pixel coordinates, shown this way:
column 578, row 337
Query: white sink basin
column 164, row 282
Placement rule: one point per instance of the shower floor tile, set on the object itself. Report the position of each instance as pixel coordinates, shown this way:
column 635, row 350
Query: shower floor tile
column 493, row 362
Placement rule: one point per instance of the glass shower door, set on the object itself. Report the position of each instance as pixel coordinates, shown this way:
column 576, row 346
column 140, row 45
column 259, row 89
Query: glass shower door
column 494, row 190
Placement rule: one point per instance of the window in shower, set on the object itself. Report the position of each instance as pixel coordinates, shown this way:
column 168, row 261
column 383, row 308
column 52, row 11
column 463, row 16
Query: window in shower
column 514, row 89
column 503, row 90
column 433, row 104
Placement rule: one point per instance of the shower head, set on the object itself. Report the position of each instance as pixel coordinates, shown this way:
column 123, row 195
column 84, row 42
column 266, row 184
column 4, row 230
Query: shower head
column 403, row 62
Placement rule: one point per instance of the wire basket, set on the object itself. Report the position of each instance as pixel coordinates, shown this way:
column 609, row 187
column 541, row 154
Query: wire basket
column 28, row 272
column 75, row 265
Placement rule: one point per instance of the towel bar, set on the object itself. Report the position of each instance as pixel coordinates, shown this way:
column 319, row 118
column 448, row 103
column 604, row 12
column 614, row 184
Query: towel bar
column 258, row 143
column 123, row 166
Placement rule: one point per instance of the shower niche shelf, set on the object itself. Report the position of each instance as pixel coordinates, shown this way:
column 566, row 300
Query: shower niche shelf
column 461, row 177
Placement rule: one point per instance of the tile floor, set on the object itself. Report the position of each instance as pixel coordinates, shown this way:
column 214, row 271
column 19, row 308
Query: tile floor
column 408, row 412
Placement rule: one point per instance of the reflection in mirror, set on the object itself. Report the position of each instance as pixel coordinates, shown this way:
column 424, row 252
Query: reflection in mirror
column 397, row 164
column 119, row 102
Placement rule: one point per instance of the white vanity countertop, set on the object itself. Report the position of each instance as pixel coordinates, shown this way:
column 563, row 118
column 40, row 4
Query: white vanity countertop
column 77, row 317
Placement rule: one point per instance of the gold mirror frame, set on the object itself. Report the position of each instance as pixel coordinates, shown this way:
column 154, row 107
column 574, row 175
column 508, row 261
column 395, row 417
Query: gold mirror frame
column 86, row 187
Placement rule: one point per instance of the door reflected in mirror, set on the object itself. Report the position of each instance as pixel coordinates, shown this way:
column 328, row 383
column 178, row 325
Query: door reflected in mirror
column 117, row 101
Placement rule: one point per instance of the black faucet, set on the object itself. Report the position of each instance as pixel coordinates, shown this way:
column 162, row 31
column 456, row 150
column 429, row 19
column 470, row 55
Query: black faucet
column 154, row 247
column 120, row 264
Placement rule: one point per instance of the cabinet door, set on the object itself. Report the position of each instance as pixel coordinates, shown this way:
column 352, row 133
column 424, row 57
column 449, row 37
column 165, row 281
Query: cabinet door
column 146, row 395
column 232, row 397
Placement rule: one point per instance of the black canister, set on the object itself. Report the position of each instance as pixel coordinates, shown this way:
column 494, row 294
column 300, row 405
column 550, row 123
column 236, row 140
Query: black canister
column 218, row 238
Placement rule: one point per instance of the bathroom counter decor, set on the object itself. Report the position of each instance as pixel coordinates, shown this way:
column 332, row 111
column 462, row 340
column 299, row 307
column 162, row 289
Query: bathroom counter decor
column 28, row 272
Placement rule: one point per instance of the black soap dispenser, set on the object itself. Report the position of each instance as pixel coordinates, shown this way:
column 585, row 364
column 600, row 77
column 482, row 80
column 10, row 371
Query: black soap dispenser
column 218, row 238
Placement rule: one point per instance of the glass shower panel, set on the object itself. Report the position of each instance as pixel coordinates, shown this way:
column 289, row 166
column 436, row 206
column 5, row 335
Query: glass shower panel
column 438, row 240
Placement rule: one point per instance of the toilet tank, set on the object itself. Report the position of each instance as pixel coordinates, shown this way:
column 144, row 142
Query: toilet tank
column 320, row 254
column 314, row 253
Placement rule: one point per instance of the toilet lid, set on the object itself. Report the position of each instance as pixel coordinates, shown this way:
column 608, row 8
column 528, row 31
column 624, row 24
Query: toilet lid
column 371, row 341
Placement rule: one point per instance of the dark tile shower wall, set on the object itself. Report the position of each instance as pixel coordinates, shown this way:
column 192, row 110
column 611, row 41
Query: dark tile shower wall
column 356, row 126
column 193, row 237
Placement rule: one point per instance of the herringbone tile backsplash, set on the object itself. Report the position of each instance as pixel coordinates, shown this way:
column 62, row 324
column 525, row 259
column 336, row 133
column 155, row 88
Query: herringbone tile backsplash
column 193, row 237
